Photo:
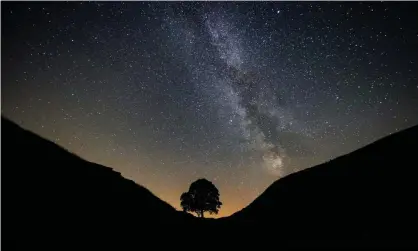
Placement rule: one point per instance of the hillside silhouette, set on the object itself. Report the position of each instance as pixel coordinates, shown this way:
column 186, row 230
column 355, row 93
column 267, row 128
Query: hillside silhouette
column 53, row 196
column 370, row 193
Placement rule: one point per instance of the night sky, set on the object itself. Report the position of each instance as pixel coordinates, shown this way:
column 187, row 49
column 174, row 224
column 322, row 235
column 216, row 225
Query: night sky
column 238, row 93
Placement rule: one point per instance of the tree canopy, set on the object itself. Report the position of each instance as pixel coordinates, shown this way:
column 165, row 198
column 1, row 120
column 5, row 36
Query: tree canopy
column 202, row 197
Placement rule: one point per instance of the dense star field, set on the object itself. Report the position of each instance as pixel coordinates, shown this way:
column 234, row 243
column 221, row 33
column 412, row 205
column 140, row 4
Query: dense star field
column 239, row 93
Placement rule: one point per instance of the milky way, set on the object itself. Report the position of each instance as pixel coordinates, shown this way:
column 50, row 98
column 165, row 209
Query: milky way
column 259, row 118
column 239, row 93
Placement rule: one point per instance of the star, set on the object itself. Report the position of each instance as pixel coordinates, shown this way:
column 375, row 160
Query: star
column 166, row 93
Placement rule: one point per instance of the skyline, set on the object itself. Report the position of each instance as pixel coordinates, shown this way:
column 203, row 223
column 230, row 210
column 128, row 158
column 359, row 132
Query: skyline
column 238, row 93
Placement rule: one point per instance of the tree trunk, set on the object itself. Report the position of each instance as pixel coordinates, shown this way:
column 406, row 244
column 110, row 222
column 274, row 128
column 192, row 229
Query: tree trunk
column 201, row 214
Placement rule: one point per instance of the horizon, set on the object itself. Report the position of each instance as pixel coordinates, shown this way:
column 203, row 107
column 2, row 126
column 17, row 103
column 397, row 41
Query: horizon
column 222, row 212
column 239, row 93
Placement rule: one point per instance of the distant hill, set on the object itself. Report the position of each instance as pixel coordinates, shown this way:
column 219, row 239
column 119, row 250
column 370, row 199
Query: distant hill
column 51, row 194
column 371, row 193
column 53, row 199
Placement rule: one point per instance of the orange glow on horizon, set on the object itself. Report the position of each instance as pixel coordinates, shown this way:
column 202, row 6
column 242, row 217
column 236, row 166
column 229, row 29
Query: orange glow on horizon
column 232, row 198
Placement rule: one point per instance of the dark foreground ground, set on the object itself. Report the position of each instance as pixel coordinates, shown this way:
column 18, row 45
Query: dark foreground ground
column 55, row 200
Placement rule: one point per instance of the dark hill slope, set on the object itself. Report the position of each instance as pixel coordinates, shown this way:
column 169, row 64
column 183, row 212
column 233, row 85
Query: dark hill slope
column 53, row 199
column 51, row 194
column 369, row 193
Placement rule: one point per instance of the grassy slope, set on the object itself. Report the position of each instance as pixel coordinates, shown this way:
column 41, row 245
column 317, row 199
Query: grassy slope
column 369, row 193
column 51, row 192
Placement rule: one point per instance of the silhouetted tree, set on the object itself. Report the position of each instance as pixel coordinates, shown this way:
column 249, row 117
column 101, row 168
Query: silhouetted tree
column 185, row 201
column 202, row 197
